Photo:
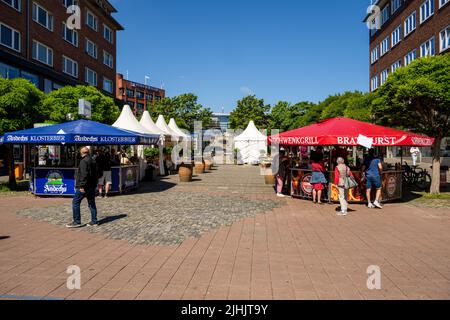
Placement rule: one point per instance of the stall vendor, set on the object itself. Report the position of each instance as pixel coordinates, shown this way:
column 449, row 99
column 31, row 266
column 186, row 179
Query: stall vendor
column 318, row 179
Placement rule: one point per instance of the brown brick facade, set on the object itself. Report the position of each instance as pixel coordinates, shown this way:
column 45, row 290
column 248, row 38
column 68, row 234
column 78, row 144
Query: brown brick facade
column 423, row 32
column 54, row 39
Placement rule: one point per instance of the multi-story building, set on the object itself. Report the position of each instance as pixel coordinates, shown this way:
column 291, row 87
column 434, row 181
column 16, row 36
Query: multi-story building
column 221, row 120
column 42, row 42
column 405, row 30
column 139, row 97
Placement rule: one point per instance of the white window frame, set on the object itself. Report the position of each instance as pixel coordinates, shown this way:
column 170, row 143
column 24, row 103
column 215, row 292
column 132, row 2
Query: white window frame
column 395, row 5
column 48, row 49
column 397, row 33
column 15, row 33
column 19, row 4
column 74, row 64
column 108, row 59
column 385, row 46
column 95, row 20
column 86, row 74
column 444, row 39
column 384, row 76
column 428, row 48
column 112, row 85
column 65, row 30
column 396, row 65
column 105, row 27
column 424, row 4
column 411, row 23
column 375, row 54
column 443, row 3
column 95, row 56
column 385, row 14
column 409, row 54
column 50, row 18
column 374, row 84
column 75, row 2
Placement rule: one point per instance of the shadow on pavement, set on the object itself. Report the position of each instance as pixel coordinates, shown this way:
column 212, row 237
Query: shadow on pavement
column 112, row 219
column 4, row 237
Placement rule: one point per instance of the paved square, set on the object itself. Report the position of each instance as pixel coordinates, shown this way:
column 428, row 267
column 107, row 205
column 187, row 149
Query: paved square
column 223, row 236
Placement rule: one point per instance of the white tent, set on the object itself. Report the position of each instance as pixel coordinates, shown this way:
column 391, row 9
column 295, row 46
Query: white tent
column 162, row 125
column 251, row 144
column 147, row 122
column 176, row 129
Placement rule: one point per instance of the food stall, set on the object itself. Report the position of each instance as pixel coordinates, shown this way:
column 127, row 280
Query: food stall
column 335, row 137
column 54, row 154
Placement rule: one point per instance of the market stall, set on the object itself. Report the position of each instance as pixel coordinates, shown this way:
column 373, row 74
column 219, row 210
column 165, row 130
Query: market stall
column 147, row 122
column 251, row 145
column 54, row 154
column 336, row 136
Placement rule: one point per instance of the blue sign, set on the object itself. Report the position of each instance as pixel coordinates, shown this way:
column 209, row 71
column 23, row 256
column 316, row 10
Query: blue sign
column 54, row 182
column 129, row 177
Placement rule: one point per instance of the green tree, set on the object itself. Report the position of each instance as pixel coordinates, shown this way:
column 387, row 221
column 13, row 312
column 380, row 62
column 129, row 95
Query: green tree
column 285, row 116
column 20, row 108
column 248, row 109
column 64, row 101
column 185, row 109
column 417, row 97
column 360, row 108
column 337, row 105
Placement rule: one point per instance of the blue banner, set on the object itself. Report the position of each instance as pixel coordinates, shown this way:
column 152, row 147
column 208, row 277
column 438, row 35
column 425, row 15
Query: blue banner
column 54, row 182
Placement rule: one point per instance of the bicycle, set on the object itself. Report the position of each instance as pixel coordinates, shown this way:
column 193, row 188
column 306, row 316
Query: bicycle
column 417, row 177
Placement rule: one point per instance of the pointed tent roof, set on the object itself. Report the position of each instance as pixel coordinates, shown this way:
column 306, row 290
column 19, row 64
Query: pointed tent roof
column 147, row 122
column 176, row 129
column 162, row 124
column 128, row 121
column 251, row 134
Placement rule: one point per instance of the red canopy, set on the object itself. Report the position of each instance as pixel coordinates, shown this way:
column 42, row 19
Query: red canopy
column 345, row 132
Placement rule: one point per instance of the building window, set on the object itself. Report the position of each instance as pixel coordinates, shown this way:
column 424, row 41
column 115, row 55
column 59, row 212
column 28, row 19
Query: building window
column 69, row 35
column 91, row 48
column 428, row 48
column 34, row 79
column 443, row 3
column 42, row 53
column 375, row 54
column 426, row 10
column 410, row 57
column 108, row 34
column 396, row 36
column 42, row 16
column 14, row 4
column 396, row 65
column 445, row 39
column 385, row 45
column 131, row 104
column 68, row 3
column 384, row 76
column 139, row 95
column 91, row 21
column 149, row 97
column 9, row 37
column 91, row 77
column 157, row 98
column 107, row 85
column 70, row 67
column 395, row 5
column 410, row 23
column 130, row 93
column 8, row 72
column 374, row 83
column 385, row 14
column 108, row 59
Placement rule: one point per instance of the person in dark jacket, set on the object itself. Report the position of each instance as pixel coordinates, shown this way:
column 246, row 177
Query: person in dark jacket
column 85, row 188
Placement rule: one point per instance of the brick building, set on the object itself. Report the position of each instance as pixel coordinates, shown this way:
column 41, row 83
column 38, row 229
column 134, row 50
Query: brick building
column 403, row 31
column 139, row 97
column 37, row 43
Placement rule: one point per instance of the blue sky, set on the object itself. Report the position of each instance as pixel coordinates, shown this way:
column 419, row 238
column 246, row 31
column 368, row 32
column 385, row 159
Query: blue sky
column 223, row 50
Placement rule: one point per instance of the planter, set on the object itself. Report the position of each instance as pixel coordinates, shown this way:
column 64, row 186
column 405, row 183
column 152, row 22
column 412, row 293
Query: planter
column 199, row 167
column 208, row 164
column 185, row 172
column 269, row 178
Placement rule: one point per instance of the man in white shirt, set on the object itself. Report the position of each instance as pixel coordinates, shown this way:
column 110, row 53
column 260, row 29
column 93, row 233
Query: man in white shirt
column 415, row 153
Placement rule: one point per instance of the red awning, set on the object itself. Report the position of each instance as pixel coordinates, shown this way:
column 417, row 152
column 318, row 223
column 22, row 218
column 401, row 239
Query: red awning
column 345, row 132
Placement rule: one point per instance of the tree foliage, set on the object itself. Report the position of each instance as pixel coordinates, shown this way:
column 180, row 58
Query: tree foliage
column 250, row 108
column 60, row 103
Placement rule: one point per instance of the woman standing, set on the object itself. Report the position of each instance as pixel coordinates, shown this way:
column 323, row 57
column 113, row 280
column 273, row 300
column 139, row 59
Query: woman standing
column 341, row 174
column 318, row 178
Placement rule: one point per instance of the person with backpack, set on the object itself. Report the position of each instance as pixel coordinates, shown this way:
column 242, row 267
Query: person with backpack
column 344, row 180
column 86, row 184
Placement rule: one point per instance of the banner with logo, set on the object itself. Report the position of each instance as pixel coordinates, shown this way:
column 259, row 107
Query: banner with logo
column 130, row 178
column 53, row 182
column 301, row 186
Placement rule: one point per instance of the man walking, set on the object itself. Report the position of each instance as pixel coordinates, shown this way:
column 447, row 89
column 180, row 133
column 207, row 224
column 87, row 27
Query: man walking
column 373, row 169
column 104, row 165
column 85, row 188
column 415, row 153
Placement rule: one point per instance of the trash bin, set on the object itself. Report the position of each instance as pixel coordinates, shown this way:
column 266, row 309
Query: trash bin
column 444, row 170
column 18, row 171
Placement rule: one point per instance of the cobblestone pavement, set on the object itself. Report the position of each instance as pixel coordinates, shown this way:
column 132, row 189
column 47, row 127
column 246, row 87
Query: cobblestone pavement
column 164, row 214
column 294, row 250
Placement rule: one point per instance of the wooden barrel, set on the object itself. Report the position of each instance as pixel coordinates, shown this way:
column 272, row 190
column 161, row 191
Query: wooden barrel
column 185, row 172
column 208, row 165
column 269, row 179
column 199, row 167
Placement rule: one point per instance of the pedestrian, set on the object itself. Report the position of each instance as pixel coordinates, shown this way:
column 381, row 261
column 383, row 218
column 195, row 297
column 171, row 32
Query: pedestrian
column 318, row 179
column 415, row 154
column 280, row 177
column 341, row 174
column 86, row 183
column 104, row 166
column 372, row 169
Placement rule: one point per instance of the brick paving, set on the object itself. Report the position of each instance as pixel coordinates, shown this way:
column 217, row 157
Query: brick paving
column 292, row 250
